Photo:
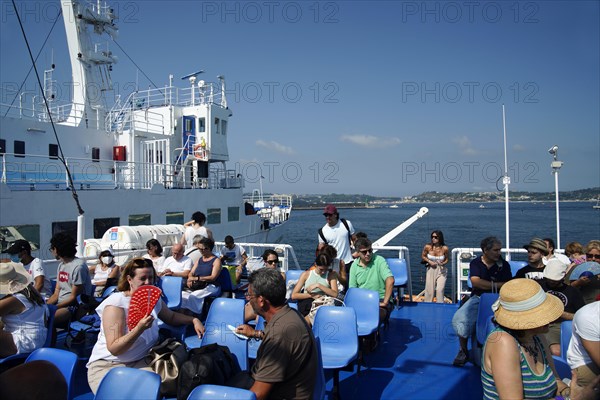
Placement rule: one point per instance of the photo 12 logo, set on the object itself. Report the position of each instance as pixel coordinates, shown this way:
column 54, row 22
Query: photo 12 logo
column 288, row 172
column 453, row 12
column 253, row 12
column 288, row 92
column 469, row 92
column 467, row 171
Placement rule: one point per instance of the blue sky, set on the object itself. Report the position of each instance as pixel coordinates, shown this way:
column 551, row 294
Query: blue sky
column 383, row 97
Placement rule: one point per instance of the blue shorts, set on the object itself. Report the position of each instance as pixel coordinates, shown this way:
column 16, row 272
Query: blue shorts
column 465, row 319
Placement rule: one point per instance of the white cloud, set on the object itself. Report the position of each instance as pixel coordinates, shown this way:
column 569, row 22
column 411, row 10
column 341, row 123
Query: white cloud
column 370, row 140
column 274, row 146
column 518, row 148
column 465, row 146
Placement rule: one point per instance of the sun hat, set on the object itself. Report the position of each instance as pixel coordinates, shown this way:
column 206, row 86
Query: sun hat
column 13, row 278
column 555, row 270
column 523, row 304
column 537, row 244
column 330, row 209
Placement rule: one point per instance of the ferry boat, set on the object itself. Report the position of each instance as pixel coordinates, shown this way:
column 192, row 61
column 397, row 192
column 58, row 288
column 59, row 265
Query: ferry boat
column 153, row 157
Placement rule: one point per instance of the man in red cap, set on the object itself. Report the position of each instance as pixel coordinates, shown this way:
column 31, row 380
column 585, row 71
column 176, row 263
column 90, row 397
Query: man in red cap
column 337, row 232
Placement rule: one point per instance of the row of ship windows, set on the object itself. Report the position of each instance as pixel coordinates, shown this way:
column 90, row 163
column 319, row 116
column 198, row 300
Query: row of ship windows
column 19, row 150
column 101, row 225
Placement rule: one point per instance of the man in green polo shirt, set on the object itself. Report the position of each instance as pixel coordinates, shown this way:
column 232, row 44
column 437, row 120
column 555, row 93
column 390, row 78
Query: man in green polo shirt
column 371, row 271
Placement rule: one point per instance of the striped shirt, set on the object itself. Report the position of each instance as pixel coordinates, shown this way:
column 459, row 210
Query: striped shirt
column 542, row 386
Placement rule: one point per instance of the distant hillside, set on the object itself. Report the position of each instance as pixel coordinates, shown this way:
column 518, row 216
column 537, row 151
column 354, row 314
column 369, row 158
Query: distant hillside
column 365, row 200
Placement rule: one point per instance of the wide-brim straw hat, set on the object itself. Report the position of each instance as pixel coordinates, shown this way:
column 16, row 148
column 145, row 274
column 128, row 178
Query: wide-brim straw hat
column 13, row 278
column 523, row 304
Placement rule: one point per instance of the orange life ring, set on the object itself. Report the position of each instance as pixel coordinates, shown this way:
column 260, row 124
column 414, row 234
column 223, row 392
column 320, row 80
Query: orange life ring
column 199, row 151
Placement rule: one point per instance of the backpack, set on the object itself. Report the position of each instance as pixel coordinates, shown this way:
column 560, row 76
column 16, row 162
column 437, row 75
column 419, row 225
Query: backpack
column 211, row 364
column 345, row 225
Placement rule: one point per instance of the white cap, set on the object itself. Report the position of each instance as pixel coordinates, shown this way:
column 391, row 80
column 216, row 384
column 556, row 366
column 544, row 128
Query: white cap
column 555, row 270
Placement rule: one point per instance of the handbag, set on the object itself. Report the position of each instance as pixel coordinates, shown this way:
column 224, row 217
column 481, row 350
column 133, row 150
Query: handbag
column 318, row 302
column 166, row 359
column 199, row 285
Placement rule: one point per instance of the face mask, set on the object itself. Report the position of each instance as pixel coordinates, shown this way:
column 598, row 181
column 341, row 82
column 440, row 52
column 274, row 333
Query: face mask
column 15, row 258
column 107, row 260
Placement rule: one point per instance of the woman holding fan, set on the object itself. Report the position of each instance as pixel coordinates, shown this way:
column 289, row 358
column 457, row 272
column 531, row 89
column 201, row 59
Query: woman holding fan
column 123, row 342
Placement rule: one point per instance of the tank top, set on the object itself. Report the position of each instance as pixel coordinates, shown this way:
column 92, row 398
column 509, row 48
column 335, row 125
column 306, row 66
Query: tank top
column 314, row 277
column 204, row 268
column 435, row 258
column 541, row 386
column 190, row 233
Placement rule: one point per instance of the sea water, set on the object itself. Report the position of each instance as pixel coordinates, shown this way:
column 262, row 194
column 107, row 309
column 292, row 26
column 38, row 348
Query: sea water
column 463, row 225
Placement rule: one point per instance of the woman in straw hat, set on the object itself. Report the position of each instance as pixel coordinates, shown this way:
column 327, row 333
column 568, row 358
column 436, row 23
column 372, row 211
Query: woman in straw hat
column 23, row 312
column 517, row 362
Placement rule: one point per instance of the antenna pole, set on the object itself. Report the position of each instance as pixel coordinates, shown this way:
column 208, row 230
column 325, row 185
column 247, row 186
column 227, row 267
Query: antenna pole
column 506, row 182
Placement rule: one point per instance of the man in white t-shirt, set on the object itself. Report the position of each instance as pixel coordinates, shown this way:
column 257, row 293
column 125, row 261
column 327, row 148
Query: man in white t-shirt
column 551, row 254
column 176, row 265
column 234, row 255
column 20, row 252
column 337, row 233
column 583, row 354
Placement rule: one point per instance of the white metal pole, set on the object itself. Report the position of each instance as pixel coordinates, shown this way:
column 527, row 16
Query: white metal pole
column 506, row 182
column 557, row 209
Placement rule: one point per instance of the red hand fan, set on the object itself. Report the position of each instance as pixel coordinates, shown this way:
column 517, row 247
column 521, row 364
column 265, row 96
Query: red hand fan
column 142, row 303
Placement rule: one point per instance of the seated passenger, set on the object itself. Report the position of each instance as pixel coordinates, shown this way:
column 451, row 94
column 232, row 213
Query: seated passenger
column 314, row 287
column 234, row 255
column 583, row 354
column 117, row 346
column 488, row 273
column 73, row 279
column 105, row 271
column 371, row 271
column 271, row 261
column 176, row 265
column 537, row 249
column 20, row 251
column 155, row 253
column 202, row 280
column 337, row 265
column 588, row 286
column 23, row 312
column 516, row 362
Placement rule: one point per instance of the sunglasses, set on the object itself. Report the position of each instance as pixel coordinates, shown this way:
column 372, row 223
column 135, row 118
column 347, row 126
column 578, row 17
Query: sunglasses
column 327, row 215
column 366, row 251
column 592, row 256
column 434, row 237
column 272, row 262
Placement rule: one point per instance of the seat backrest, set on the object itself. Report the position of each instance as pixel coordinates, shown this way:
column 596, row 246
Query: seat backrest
column 51, row 312
column 292, row 275
column 108, row 291
column 224, row 312
column 129, row 383
column 224, row 280
column 566, row 332
column 319, row 391
column 216, row 392
column 562, row 368
column 64, row 360
column 515, row 266
column 366, row 306
column 483, row 314
column 399, row 270
column 337, row 331
column 171, row 287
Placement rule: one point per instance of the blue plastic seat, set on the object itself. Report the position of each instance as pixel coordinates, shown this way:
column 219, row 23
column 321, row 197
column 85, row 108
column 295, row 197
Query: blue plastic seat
column 223, row 312
column 562, row 368
column 483, row 315
column 64, row 360
column 337, row 331
column 366, row 306
column 171, row 287
column 400, row 272
column 129, row 384
column 566, row 332
column 515, row 266
column 292, row 276
column 320, row 383
column 216, row 392
column 224, row 281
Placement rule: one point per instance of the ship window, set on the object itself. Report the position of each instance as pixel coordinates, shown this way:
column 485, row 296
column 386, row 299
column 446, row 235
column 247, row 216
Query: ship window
column 218, row 126
column 53, row 151
column 188, row 124
column 233, row 214
column 224, row 127
column 175, row 217
column 201, row 125
column 2, row 147
column 19, row 148
column 101, row 225
column 139, row 219
column 68, row 227
column 213, row 216
column 95, row 154
column 9, row 234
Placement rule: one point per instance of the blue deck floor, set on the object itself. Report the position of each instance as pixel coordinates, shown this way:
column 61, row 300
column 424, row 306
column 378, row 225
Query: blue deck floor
column 413, row 360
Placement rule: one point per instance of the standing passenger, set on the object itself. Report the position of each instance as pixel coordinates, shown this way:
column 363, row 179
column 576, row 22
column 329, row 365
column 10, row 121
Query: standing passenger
column 193, row 228
column 337, row 232
column 435, row 256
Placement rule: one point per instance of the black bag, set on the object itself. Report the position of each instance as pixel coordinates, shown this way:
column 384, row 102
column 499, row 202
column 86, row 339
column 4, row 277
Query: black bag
column 197, row 285
column 166, row 359
column 211, row 364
